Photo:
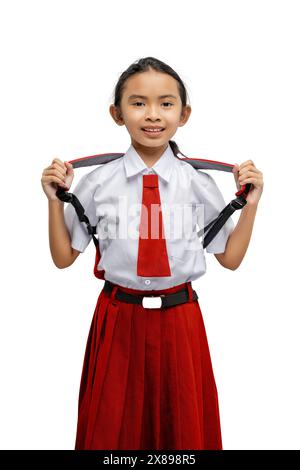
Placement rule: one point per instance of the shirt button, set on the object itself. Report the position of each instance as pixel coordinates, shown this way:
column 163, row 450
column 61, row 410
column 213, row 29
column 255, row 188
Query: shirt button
column 147, row 282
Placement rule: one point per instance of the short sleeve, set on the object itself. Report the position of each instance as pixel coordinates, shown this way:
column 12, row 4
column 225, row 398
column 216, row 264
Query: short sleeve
column 80, row 238
column 213, row 203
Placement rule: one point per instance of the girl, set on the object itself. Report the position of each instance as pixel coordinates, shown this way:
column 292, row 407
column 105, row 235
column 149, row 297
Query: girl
column 147, row 380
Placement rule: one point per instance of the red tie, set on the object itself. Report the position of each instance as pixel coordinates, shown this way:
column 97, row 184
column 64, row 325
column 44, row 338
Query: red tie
column 152, row 252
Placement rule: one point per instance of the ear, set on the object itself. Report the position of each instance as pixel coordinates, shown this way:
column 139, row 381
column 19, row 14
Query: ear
column 185, row 114
column 116, row 114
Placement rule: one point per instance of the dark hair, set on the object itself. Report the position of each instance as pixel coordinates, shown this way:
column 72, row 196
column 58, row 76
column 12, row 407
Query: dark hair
column 143, row 65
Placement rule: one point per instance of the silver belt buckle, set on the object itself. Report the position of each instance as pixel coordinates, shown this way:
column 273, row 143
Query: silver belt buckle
column 152, row 302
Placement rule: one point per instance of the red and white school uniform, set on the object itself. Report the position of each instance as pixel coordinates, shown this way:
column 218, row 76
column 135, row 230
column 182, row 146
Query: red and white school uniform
column 147, row 380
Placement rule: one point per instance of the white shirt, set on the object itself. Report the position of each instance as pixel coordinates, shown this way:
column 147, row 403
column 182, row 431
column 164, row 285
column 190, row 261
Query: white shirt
column 112, row 195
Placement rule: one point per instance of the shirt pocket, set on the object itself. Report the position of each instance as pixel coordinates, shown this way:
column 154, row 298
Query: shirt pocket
column 184, row 240
column 108, row 225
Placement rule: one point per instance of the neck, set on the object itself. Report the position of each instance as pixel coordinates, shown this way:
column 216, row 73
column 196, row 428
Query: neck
column 149, row 155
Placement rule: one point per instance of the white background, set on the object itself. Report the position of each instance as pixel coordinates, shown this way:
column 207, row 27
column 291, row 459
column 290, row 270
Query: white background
column 60, row 61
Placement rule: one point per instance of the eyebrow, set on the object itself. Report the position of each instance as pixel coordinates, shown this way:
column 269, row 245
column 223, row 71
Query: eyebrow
column 145, row 97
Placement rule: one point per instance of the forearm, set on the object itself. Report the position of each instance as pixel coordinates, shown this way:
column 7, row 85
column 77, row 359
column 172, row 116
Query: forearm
column 239, row 239
column 59, row 238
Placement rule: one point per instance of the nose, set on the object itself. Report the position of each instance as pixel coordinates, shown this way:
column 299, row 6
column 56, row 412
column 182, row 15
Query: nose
column 153, row 113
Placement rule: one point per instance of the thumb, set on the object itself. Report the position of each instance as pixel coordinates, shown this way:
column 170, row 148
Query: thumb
column 236, row 175
column 69, row 166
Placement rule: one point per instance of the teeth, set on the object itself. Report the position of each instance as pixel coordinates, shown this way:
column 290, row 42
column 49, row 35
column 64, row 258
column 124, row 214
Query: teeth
column 152, row 130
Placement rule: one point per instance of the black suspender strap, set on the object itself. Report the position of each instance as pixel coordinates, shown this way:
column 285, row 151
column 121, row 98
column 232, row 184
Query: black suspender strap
column 72, row 199
column 215, row 225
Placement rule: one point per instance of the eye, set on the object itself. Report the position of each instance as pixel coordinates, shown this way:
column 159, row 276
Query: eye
column 137, row 103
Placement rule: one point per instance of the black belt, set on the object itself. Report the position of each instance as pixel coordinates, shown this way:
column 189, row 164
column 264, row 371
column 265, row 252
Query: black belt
column 165, row 300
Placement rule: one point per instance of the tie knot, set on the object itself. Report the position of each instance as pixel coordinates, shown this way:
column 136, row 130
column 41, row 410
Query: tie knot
column 150, row 181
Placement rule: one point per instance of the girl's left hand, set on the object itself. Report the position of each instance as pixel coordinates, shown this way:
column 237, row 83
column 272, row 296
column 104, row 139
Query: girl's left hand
column 248, row 173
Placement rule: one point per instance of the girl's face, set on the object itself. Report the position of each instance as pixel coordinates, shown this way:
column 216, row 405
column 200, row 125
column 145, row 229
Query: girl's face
column 151, row 100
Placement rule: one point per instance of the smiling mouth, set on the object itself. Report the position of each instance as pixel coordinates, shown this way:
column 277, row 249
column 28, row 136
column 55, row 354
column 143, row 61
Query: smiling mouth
column 153, row 131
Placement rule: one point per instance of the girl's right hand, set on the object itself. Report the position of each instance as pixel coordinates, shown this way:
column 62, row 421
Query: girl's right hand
column 58, row 174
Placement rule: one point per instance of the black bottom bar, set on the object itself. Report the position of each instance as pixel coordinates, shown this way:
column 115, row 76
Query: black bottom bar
column 132, row 458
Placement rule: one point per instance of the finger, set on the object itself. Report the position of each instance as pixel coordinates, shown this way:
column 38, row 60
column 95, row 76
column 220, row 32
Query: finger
column 69, row 167
column 249, row 167
column 236, row 177
column 57, row 160
column 246, row 168
column 247, row 174
column 253, row 169
column 247, row 162
column 59, row 167
column 55, row 169
column 252, row 179
column 55, row 172
column 53, row 179
column 50, row 173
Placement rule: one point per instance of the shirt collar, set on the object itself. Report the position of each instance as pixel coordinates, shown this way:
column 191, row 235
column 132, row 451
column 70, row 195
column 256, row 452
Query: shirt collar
column 134, row 164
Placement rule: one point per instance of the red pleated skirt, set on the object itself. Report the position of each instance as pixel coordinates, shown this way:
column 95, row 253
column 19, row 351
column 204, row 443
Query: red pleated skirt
column 147, row 380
